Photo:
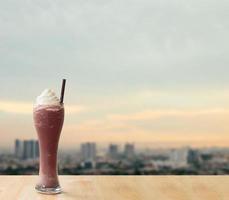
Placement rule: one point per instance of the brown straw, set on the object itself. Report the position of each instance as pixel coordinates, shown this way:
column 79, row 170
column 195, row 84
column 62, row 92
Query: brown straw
column 62, row 91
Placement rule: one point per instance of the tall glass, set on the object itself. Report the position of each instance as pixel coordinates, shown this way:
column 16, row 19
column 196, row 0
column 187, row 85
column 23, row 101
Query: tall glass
column 48, row 120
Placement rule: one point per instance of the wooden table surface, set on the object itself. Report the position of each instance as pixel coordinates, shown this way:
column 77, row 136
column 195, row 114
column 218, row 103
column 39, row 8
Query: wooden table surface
column 120, row 188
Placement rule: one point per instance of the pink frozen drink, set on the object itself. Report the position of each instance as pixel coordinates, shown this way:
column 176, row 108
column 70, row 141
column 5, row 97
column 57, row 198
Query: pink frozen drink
column 48, row 116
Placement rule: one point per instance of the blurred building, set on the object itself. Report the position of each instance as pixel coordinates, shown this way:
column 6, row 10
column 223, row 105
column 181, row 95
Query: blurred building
column 129, row 151
column 36, row 151
column 18, row 149
column 194, row 157
column 113, row 151
column 88, row 151
column 27, row 149
column 179, row 157
column 33, row 149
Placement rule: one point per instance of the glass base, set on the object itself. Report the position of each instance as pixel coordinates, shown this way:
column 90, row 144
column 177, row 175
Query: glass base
column 45, row 190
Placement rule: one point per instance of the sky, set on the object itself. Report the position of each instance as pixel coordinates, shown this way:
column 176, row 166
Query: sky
column 137, row 71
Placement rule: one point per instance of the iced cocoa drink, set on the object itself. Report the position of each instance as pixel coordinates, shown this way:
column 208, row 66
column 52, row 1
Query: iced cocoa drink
column 48, row 116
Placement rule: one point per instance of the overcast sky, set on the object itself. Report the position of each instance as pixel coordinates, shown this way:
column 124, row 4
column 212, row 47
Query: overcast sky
column 164, row 62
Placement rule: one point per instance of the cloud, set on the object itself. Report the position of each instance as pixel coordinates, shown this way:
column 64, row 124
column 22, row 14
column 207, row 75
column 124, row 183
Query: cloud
column 125, row 43
column 181, row 126
column 74, row 109
column 26, row 108
column 156, row 114
column 99, row 126
column 16, row 107
column 102, row 131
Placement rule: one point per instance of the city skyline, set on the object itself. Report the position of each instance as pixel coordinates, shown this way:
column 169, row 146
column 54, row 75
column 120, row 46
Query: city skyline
column 113, row 160
column 142, row 72
column 111, row 147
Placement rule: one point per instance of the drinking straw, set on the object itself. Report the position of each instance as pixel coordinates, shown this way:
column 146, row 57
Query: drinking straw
column 62, row 91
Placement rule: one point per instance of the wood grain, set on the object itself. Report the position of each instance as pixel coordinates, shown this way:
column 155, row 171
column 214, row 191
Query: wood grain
column 120, row 188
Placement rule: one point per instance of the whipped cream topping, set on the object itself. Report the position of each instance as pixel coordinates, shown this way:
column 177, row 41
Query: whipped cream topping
column 47, row 97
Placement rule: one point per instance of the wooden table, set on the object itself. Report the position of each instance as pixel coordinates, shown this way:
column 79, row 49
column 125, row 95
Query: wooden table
column 120, row 188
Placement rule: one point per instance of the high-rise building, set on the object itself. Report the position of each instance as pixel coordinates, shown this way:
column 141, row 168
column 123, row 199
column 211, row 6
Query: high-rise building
column 33, row 145
column 179, row 157
column 129, row 151
column 113, row 151
column 36, row 149
column 18, row 150
column 88, row 151
column 27, row 149
column 194, row 157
